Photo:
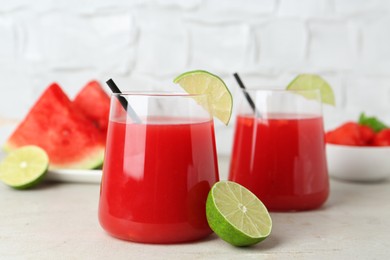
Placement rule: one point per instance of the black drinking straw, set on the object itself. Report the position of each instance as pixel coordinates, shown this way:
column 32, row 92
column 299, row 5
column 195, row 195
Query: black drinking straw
column 130, row 111
column 246, row 94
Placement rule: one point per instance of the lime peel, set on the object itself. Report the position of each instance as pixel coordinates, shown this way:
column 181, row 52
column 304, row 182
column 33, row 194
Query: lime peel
column 203, row 82
column 236, row 215
column 24, row 167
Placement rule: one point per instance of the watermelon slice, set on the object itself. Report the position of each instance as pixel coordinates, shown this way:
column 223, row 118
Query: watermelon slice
column 94, row 102
column 69, row 138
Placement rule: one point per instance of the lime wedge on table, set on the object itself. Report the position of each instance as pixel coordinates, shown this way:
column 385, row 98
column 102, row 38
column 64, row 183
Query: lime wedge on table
column 203, row 82
column 312, row 81
column 24, row 167
column 236, row 215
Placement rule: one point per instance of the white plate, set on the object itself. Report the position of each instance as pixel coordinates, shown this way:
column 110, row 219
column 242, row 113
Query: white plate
column 75, row 175
column 71, row 175
column 357, row 163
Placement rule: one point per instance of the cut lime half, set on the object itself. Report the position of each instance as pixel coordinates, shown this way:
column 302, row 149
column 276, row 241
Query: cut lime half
column 203, row 82
column 236, row 215
column 312, row 81
column 24, row 167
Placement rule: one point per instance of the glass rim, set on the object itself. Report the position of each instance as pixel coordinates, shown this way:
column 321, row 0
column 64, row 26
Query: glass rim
column 158, row 94
column 282, row 90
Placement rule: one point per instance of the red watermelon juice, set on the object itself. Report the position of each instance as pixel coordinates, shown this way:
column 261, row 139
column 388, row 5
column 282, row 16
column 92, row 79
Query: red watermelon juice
column 156, row 179
column 282, row 160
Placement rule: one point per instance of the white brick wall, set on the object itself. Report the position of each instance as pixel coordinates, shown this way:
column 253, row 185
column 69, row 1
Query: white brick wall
column 143, row 44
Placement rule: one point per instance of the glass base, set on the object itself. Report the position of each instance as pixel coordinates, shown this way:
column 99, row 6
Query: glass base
column 164, row 233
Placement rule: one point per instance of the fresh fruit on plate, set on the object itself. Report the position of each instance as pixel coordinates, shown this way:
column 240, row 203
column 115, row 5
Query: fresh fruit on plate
column 350, row 133
column 382, row 138
column 373, row 122
column 69, row 138
column 367, row 131
column 94, row 102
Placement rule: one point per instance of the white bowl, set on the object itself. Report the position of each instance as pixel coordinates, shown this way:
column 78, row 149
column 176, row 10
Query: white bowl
column 358, row 163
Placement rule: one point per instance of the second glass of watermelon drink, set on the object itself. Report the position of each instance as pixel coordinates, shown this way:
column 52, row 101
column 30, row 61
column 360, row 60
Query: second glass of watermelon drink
column 279, row 149
column 157, row 172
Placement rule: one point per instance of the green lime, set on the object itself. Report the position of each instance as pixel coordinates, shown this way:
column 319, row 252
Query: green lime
column 24, row 167
column 312, row 81
column 203, row 82
column 236, row 215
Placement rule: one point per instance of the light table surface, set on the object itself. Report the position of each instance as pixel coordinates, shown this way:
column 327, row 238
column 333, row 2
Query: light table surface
column 59, row 221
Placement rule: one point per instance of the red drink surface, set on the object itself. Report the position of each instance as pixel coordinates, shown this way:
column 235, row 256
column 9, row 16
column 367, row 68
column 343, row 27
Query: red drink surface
column 286, row 165
column 156, row 179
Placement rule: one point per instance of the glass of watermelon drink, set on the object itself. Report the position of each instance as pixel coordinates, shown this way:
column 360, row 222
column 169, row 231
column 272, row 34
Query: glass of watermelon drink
column 279, row 149
column 157, row 173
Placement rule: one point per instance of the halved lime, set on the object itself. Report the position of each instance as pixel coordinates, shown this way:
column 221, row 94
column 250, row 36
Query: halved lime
column 203, row 82
column 24, row 167
column 236, row 215
column 312, row 81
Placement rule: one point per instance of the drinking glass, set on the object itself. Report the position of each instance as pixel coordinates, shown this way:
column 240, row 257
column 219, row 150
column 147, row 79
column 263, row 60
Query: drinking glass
column 158, row 168
column 279, row 149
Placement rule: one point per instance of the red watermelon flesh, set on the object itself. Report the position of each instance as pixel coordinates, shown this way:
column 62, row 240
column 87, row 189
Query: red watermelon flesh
column 69, row 138
column 94, row 102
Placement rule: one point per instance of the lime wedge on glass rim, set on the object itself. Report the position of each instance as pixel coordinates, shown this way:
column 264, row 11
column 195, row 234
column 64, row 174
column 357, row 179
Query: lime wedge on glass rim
column 24, row 167
column 203, row 82
column 236, row 215
column 312, row 81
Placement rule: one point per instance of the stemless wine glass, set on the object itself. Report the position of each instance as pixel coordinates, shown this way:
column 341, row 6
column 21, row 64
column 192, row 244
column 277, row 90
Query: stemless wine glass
column 158, row 171
column 279, row 149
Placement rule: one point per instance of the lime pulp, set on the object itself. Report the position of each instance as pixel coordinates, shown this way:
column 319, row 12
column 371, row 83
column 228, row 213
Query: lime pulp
column 24, row 167
column 203, row 82
column 312, row 81
column 236, row 215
